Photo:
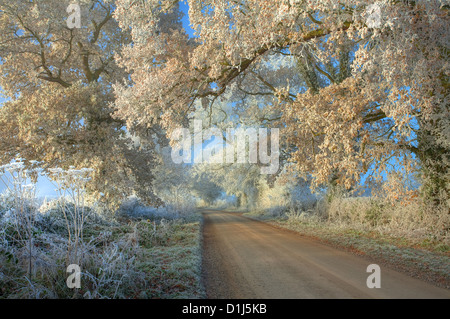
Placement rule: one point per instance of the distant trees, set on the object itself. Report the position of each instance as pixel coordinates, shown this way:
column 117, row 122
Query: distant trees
column 172, row 182
column 205, row 189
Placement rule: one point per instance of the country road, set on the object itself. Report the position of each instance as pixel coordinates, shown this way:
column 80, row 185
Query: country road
column 247, row 259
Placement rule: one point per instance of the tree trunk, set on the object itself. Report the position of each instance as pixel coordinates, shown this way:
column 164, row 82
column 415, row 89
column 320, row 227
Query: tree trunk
column 434, row 159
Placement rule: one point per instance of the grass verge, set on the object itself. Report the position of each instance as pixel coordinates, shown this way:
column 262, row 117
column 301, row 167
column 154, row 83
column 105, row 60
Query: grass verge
column 153, row 258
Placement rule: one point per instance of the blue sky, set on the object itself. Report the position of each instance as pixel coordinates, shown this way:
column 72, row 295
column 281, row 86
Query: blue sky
column 186, row 24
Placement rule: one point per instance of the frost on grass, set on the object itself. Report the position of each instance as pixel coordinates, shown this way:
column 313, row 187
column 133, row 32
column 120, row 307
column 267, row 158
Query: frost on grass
column 132, row 208
column 142, row 253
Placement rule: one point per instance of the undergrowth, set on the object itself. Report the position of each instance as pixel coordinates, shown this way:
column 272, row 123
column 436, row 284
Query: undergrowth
column 136, row 252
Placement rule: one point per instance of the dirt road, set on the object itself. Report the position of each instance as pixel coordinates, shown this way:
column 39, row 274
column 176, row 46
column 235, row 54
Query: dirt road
column 243, row 258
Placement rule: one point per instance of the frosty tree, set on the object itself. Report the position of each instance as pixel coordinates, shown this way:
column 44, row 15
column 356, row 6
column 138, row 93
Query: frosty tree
column 59, row 81
column 376, row 87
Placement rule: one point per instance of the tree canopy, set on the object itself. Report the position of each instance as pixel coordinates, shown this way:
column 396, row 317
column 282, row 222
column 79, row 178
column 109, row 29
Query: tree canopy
column 352, row 85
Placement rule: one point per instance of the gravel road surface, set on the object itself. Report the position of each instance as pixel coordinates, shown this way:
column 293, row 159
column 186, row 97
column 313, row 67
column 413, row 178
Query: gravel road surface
column 248, row 259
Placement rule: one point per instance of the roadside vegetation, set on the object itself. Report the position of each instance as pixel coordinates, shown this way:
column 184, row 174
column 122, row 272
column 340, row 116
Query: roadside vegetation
column 132, row 252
